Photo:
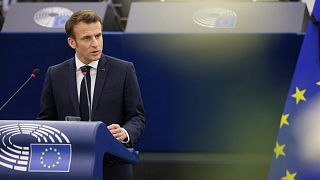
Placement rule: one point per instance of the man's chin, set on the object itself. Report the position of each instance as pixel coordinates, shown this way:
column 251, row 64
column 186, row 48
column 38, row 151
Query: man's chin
column 96, row 57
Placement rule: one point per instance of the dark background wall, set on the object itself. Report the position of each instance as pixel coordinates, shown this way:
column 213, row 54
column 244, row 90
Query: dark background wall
column 213, row 94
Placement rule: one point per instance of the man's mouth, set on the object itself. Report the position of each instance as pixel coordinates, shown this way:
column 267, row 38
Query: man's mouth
column 95, row 52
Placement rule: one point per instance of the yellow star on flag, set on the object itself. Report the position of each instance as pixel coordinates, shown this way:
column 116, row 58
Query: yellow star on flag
column 284, row 120
column 299, row 95
column 318, row 83
column 278, row 150
column 289, row 176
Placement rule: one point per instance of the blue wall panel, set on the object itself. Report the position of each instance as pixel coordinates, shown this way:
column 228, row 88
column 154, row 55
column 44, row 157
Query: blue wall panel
column 202, row 92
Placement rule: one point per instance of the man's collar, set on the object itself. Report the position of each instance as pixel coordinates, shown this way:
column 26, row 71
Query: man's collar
column 79, row 64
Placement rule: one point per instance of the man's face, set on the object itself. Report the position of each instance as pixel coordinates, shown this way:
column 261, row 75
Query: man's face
column 87, row 41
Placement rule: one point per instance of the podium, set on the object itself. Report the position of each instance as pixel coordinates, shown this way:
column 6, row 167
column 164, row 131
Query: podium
column 58, row 150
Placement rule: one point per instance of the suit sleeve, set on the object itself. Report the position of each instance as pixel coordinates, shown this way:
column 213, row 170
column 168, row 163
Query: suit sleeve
column 47, row 105
column 133, row 106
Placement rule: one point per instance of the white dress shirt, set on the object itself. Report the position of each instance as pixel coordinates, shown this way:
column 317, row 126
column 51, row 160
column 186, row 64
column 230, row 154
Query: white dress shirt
column 79, row 76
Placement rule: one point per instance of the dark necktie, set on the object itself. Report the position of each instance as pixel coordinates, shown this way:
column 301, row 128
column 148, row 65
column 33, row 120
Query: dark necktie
column 84, row 105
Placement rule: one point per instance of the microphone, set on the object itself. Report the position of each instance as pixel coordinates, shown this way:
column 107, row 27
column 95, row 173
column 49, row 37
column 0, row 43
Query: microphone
column 84, row 71
column 34, row 74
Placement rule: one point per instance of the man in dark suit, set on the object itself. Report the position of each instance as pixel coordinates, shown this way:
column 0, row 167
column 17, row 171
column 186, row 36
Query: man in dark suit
column 112, row 88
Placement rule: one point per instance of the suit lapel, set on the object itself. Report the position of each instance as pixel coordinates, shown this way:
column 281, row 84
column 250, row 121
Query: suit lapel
column 102, row 71
column 71, row 75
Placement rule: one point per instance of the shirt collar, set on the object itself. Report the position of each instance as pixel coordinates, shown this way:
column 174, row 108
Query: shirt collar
column 79, row 64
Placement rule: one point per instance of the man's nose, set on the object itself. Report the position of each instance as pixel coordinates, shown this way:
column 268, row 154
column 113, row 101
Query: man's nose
column 94, row 42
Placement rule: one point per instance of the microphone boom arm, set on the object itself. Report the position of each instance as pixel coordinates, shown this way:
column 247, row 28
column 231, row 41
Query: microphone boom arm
column 88, row 99
column 16, row 92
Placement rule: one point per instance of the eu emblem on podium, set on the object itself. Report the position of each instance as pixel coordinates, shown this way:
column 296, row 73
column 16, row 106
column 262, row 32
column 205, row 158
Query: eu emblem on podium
column 50, row 158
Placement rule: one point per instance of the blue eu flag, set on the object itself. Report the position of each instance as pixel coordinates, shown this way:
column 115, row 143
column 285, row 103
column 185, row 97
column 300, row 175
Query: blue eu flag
column 297, row 149
column 50, row 157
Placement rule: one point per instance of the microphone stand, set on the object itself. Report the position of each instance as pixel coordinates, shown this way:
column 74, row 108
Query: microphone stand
column 88, row 99
column 32, row 76
column 87, row 92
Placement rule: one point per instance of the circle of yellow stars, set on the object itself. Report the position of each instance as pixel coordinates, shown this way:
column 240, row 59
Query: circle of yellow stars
column 279, row 149
column 52, row 165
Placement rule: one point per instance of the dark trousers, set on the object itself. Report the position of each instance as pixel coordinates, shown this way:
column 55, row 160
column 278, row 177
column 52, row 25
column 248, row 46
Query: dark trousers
column 117, row 172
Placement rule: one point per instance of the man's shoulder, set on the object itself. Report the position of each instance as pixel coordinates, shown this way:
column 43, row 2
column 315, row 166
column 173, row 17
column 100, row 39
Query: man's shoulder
column 115, row 60
column 63, row 64
column 62, row 67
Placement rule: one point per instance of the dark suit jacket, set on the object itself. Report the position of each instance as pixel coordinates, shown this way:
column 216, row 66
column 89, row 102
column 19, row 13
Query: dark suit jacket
column 116, row 96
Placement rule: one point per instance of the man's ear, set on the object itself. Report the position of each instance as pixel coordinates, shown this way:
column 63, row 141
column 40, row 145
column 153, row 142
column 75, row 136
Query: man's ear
column 72, row 42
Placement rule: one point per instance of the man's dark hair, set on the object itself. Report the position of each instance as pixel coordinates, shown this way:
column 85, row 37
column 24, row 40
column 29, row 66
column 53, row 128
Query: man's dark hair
column 86, row 16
